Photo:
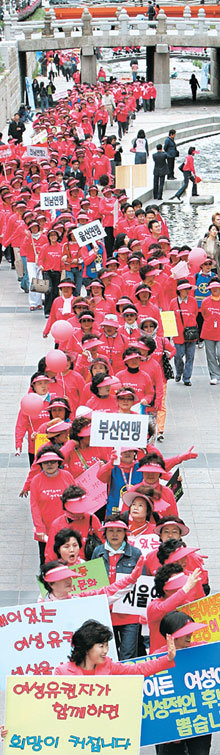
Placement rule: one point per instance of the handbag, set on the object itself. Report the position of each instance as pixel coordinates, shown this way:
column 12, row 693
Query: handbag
column 92, row 541
column 167, row 368
column 40, row 286
column 19, row 267
column 197, row 180
column 181, row 167
column 190, row 332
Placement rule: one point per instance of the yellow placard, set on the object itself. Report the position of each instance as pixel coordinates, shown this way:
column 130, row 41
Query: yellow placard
column 40, row 440
column 207, row 611
column 169, row 324
column 65, row 713
column 139, row 176
column 122, row 177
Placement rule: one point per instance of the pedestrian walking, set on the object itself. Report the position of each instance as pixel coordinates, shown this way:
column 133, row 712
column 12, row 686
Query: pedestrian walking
column 189, row 173
column 194, row 86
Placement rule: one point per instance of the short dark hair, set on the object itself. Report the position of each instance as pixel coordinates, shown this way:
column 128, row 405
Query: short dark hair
column 48, row 448
column 152, row 458
column 165, row 549
column 114, row 518
column 77, row 425
column 43, row 572
column 63, row 536
column 170, row 520
column 130, row 350
column 159, row 146
column 90, row 633
column 172, row 131
column 162, row 575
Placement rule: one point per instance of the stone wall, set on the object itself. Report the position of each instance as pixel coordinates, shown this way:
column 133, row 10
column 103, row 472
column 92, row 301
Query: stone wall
column 31, row 62
column 10, row 80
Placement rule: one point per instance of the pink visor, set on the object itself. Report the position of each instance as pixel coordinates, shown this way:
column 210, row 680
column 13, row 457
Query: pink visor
column 128, row 498
column 189, row 628
column 129, row 311
column 85, row 432
column 154, row 468
column 182, row 527
column 95, row 283
column 180, row 553
column 66, row 284
column 118, row 524
column 143, row 288
column 109, row 381
column 112, row 323
column 128, row 357
column 48, row 456
column 92, row 343
column 125, row 394
column 185, row 285
column 123, row 250
column 40, row 377
column 214, row 285
column 176, row 582
column 112, row 262
column 59, row 402
column 58, row 573
column 107, row 274
column 59, row 427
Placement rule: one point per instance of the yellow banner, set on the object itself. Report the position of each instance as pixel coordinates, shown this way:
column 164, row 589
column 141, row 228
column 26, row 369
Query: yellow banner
column 73, row 713
column 206, row 610
column 40, row 440
column 169, row 324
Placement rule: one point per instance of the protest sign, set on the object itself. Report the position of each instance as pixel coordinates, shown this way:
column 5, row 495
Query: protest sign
column 95, row 714
column 36, row 638
column 39, row 152
column 86, row 234
column 92, row 575
column 118, row 430
column 40, row 137
column 53, row 200
column 207, row 610
column 182, row 702
column 169, row 324
column 97, row 490
column 136, row 600
column 5, row 153
column 146, row 543
column 175, row 485
column 40, row 440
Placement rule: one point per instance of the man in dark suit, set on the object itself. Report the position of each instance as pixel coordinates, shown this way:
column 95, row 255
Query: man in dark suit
column 160, row 171
column 77, row 174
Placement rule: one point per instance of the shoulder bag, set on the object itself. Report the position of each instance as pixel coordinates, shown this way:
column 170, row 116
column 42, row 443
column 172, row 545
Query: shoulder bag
column 167, row 367
column 190, row 332
column 92, row 541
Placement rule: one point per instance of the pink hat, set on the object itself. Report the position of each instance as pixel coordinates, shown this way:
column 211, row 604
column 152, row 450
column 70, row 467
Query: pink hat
column 86, row 315
column 215, row 284
column 189, row 628
column 83, row 411
column 176, row 581
column 181, row 286
column 95, row 283
column 129, row 311
column 128, row 357
column 111, row 320
column 134, row 243
column 183, row 253
column 39, row 377
column 123, row 250
column 128, row 498
column 76, row 505
column 117, row 524
column 66, row 284
column 182, row 527
column 58, row 573
column 142, row 287
column 140, row 345
column 48, row 456
column 108, row 380
column 180, row 553
column 107, row 274
column 85, row 432
column 107, row 190
column 92, row 343
column 154, row 468
column 112, row 261
column 125, row 392
column 59, row 427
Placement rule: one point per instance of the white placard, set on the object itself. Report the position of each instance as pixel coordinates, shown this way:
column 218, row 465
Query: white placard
column 5, row 153
column 53, row 200
column 136, row 600
column 35, row 638
column 118, row 430
column 90, row 232
column 40, row 137
column 40, row 152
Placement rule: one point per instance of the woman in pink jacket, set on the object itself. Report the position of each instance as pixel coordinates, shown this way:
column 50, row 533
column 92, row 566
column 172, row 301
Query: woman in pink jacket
column 89, row 648
column 189, row 174
column 173, row 589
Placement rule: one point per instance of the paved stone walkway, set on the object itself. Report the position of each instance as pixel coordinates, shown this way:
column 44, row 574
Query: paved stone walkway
column 192, row 417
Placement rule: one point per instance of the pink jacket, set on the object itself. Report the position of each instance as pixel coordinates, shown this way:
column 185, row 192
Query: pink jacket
column 145, row 668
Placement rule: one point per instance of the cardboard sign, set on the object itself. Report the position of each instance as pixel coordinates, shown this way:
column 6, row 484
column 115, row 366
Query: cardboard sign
column 136, row 600
column 97, row 490
column 169, row 324
column 175, row 485
column 40, row 440
column 92, row 576
column 90, row 232
column 182, row 702
column 77, row 713
column 207, row 610
column 35, row 638
column 53, row 200
column 40, row 152
column 115, row 213
column 118, row 430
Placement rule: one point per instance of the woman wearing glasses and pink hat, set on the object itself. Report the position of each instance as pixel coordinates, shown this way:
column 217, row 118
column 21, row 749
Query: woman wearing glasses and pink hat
column 152, row 471
column 103, row 390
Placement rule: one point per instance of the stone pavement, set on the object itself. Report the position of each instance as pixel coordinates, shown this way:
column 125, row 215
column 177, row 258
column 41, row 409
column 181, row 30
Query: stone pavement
column 192, row 418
